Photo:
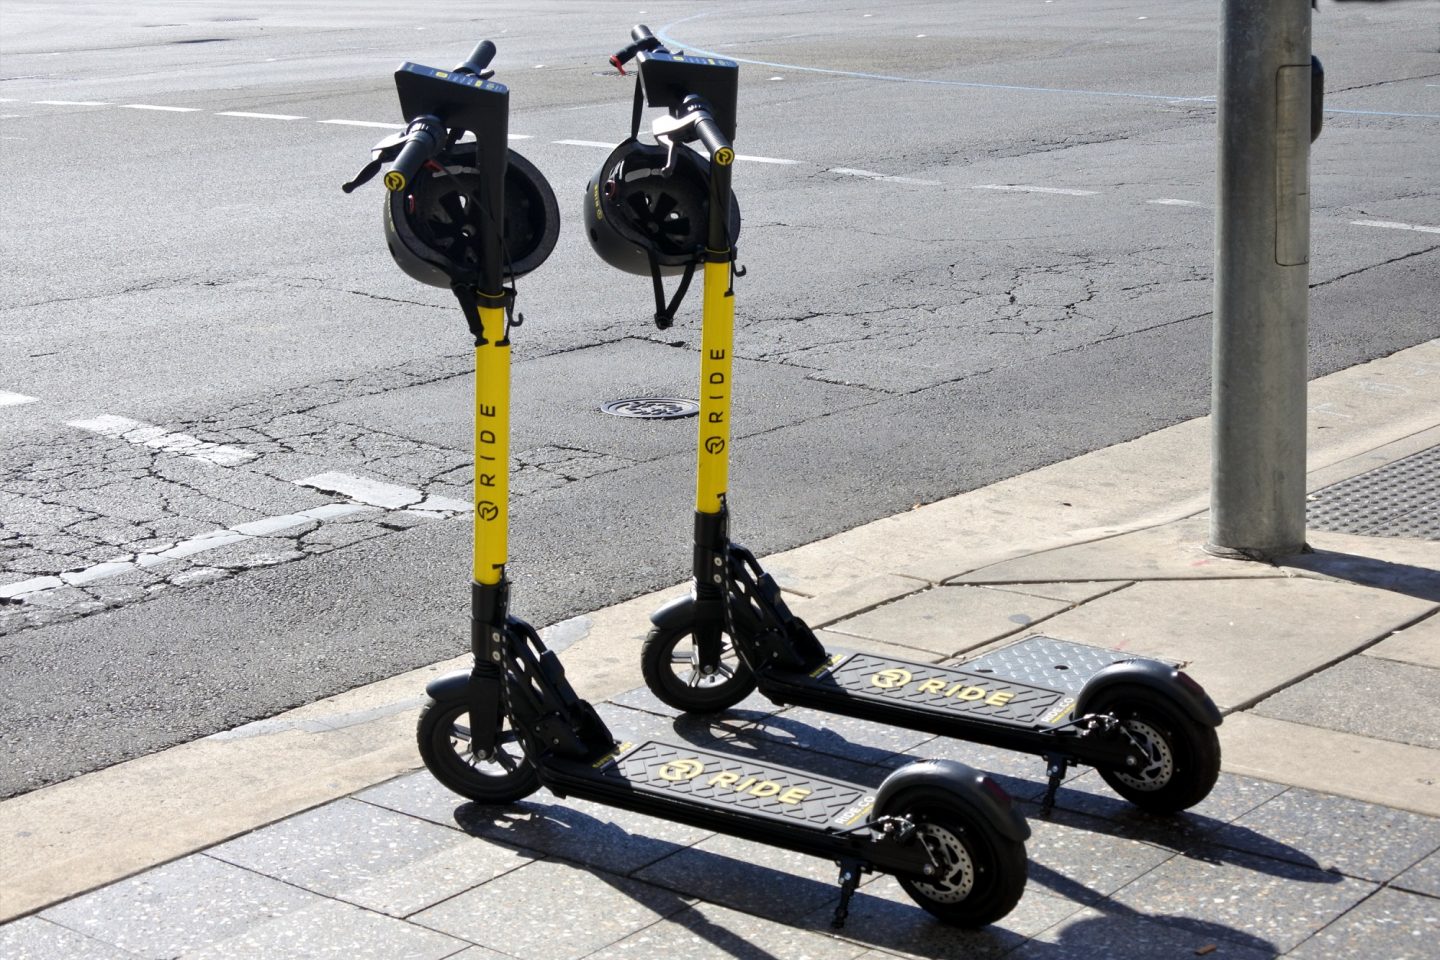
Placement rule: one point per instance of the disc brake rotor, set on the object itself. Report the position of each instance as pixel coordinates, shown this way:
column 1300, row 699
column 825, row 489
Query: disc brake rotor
column 1159, row 764
column 956, row 879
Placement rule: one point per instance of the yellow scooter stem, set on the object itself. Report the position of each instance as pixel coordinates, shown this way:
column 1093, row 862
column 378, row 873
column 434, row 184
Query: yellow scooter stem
column 717, row 339
column 492, row 447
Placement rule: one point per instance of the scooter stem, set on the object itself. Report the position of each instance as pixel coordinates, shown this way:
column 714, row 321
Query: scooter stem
column 492, row 443
column 717, row 338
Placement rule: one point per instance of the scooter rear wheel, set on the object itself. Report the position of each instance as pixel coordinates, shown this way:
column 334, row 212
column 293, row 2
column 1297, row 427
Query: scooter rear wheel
column 670, row 663
column 443, row 735
column 1182, row 756
column 982, row 873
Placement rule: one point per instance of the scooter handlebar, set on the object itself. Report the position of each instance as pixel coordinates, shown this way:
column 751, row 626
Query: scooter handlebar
column 642, row 39
column 423, row 139
column 478, row 60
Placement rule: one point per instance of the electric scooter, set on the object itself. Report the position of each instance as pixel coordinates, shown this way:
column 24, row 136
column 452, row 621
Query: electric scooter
column 513, row 723
column 1147, row 727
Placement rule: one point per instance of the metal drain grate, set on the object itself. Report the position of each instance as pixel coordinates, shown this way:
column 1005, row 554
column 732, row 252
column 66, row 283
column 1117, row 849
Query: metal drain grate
column 651, row 408
column 1400, row 499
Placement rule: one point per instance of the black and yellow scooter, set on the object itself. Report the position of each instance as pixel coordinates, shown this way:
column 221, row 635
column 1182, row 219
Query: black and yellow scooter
column 1146, row 726
column 512, row 723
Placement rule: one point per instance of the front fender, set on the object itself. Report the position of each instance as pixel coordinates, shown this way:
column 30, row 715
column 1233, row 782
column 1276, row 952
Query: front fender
column 448, row 686
column 1160, row 678
column 676, row 614
column 969, row 786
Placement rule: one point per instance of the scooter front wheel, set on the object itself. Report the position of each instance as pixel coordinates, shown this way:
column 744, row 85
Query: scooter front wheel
column 1182, row 757
column 670, row 663
column 443, row 735
column 980, row 874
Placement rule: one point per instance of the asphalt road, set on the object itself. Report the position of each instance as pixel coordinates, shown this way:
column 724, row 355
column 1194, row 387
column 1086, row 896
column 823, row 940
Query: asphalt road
column 978, row 240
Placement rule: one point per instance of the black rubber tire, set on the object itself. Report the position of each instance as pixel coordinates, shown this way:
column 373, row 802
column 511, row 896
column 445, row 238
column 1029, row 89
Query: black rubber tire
column 988, row 869
column 443, row 735
column 666, row 648
column 1184, row 753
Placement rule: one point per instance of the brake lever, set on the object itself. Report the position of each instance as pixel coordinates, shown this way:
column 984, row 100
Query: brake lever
column 665, row 130
column 380, row 154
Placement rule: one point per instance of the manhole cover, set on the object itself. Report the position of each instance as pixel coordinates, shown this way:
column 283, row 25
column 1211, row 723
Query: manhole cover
column 1400, row 499
column 651, row 408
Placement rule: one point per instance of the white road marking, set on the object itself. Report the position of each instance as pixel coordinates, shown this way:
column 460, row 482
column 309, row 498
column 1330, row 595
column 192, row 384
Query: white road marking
column 133, row 431
column 378, row 493
column 1022, row 188
column 151, row 106
column 1170, row 202
column 257, row 116
column 586, row 143
column 753, row 159
column 872, row 175
column 74, row 103
column 185, row 548
column 8, row 399
column 364, row 123
column 1392, row 225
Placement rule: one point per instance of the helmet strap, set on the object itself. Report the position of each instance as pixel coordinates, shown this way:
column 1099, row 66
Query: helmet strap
column 637, row 109
column 665, row 313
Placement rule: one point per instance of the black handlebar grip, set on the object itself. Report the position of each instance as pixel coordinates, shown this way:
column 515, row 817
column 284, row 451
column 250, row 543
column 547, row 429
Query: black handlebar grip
column 640, row 33
column 422, row 141
column 479, row 59
column 715, row 141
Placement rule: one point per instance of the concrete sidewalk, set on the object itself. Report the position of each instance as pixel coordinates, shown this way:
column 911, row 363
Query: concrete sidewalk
column 311, row 834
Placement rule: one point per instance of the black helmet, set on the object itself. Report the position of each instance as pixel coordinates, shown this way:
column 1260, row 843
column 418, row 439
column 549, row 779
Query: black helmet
column 634, row 210
column 429, row 234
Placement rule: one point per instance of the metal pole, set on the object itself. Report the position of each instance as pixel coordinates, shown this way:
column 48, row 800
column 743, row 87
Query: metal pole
column 1262, row 256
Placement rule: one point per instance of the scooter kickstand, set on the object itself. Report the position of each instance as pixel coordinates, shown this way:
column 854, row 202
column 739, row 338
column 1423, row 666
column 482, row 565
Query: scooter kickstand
column 1055, row 768
column 849, row 880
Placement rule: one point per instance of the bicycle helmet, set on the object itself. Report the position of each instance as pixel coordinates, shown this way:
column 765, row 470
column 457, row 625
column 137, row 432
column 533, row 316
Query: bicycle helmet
column 634, row 210
column 430, row 234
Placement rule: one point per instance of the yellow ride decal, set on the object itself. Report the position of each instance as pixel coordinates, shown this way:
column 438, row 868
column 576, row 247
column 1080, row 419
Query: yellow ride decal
column 897, row 678
column 394, row 181
column 683, row 771
column 724, row 157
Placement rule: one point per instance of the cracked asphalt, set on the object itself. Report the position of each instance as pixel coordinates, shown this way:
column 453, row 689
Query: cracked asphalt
column 1031, row 282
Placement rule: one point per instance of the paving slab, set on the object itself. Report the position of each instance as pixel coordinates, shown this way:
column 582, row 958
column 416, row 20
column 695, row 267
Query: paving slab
column 1345, row 836
column 949, row 620
column 179, row 907
column 1230, row 798
column 747, row 876
column 614, row 840
column 1108, row 933
column 818, row 611
column 1366, row 696
column 1409, row 567
column 883, row 916
column 1243, row 898
column 1392, row 924
column 552, row 910
column 1074, row 856
column 1377, row 771
column 1247, row 638
column 371, row 857
column 1418, row 644
column 863, row 741
column 34, row 938
column 707, row 931
column 1424, row 877
column 331, row 930
column 1169, row 551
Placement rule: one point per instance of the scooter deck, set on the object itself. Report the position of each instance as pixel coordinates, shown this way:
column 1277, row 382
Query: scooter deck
column 1031, row 684
column 656, row 774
